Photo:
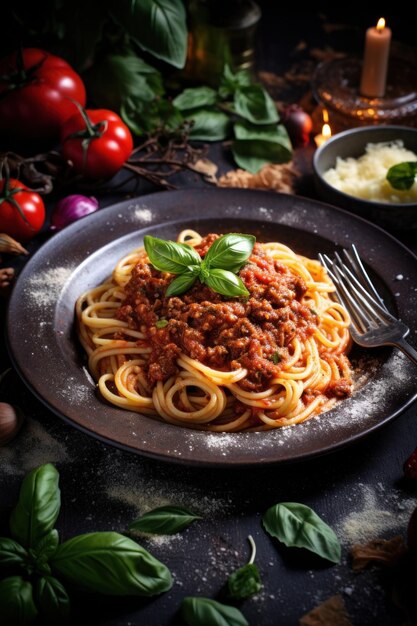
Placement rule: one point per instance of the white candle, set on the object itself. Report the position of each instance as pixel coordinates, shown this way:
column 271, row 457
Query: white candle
column 375, row 62
column 325, row 134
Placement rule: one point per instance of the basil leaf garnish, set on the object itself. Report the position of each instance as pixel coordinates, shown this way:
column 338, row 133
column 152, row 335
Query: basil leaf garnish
column 402, row 175
column 47, row 546
column 168, row 256
column 244, row 582
column 230, row 251
column 161, row 323
column 110, row 563
column 164, row 520
column 200, row 611
column 38, row 506
column 12, row 553
column 52, row 600
column 297, row 525
column 16, row 601
column 226, row 283
column 180, row 284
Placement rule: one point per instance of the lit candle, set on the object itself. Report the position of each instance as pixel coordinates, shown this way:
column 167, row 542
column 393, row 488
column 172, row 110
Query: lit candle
column 326, row 133
column 375, row 62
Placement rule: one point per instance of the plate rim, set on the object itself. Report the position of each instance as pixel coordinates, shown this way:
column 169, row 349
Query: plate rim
column 215, row 459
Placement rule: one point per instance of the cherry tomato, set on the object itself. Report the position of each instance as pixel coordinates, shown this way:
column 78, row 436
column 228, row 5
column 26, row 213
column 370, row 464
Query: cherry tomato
column 97, row 142
column 22, row 211
column 37, row 90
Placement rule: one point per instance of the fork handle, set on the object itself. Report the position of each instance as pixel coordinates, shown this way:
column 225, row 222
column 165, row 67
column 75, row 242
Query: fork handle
column 407, row 349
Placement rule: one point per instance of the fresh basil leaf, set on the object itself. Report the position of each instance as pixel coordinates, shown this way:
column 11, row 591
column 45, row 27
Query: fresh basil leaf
column 209, row 125
column 167, row 256
column 256, row 146
column 231, row 82
column 142, row 117
column 230, row 251
column 161, row 323
column 194, row 98
column 38, row 506
column 244, row 582
column 180, row 284
column 297, row 525
column 12, row 553
column 164, row 520
column 276, row 358
column 47, row 545
column 110, row 563
column 157, row 26
column 200, row 611
column 226, row 283
column 254, row 104
column 16, row 602
column 52, row 600
column 402, row 175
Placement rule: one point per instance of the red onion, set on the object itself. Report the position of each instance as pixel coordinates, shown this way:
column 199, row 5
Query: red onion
column 298, row 124
column 72, row 208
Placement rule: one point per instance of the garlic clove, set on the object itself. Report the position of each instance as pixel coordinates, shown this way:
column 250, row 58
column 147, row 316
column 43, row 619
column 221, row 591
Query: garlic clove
column 11, row 420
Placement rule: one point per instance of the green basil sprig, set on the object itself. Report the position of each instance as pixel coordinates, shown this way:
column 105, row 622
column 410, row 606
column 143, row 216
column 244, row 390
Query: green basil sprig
column 218, row 269
column 402, row 175
column 297, row 525
column 102, row 562
column 38, row 506
column 164, row 520
column 200, row 611
column 245, row 581
column 110, row 563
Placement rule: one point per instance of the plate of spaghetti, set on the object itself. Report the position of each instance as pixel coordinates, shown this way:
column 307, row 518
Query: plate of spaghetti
column 199, row 326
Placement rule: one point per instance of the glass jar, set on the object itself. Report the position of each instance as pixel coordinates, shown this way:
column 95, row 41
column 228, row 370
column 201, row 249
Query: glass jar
column 220, row 32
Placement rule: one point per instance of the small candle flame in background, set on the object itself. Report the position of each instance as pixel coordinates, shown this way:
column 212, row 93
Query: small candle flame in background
column 381, row 24
column 326, row 131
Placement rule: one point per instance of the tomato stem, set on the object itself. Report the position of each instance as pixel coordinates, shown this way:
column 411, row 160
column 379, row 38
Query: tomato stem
column 7, row 193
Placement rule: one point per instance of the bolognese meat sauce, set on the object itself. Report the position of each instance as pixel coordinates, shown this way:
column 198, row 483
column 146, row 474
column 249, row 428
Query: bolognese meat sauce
column 223, row 333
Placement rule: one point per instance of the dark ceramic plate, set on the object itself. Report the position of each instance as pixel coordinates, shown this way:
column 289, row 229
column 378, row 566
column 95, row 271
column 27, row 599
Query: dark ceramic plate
column 46, row 354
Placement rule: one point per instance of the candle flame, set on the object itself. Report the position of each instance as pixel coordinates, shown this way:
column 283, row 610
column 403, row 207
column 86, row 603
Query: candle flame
column 325, row 116
column 326, row 131
column 381, row 24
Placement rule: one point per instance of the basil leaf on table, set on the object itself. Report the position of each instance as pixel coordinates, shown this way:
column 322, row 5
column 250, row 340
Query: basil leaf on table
column 209, row 125
column 168, row 256
column 226, row 283
column 157, row 26
column 180, row 284
column 230, row 82
column 254, row 104
column 164, row 520
column 200, row 611
column 16, row 602
column 297, row 525
column 256, row 146
column 47, row 546
column 230, row 251
column 402, row 175
column 52, row 600
column 12, row 553
column 38, row 506
column 110, row 563
column 195, row 98
column 244, row 582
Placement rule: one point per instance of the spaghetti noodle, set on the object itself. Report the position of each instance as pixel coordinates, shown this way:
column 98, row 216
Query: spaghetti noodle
column 206, row 361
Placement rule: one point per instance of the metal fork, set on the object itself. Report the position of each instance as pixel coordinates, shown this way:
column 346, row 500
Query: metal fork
column 372, row 325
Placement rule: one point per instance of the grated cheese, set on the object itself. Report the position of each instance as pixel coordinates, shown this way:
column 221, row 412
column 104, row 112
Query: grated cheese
column 365, row 177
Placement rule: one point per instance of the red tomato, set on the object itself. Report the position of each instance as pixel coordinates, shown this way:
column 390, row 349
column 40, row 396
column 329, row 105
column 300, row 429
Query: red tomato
column 16, row 201
column 97, row 142
column 37, row 99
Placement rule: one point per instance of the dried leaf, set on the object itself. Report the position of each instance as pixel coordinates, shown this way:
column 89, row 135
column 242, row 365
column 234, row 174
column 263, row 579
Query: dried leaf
column 381, row 551
column 274, row 176
column 332, row 612
column 8, row 245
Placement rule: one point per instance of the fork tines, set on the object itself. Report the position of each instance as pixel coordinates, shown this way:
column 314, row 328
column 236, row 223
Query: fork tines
column 356, row 290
